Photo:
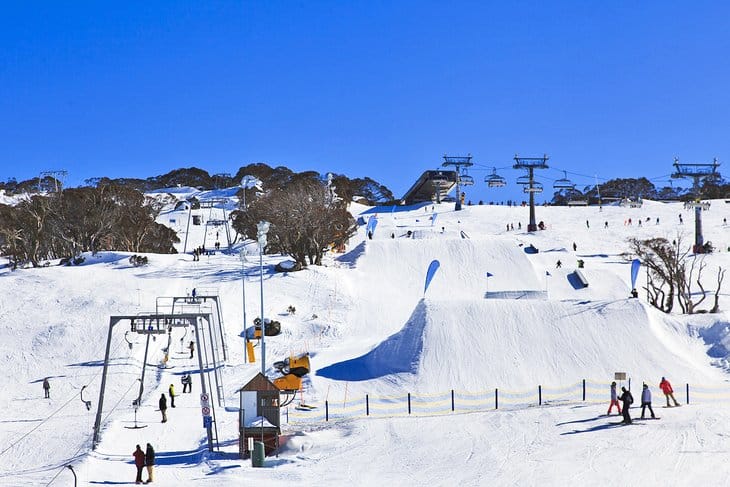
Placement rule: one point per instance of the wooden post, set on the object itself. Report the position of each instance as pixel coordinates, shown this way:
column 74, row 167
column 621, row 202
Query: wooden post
column 326, row 411
column 367, row 406
column 687, row 393
column 539, row 395
column 584, row 389
column 409, row 403
column 452, row 400
column 496, row 398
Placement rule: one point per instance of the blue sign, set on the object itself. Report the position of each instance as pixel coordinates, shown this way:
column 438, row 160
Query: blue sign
column 207, row 421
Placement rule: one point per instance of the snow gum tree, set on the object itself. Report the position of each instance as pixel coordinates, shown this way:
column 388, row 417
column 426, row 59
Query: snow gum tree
column 672, row 273
column 306, row 220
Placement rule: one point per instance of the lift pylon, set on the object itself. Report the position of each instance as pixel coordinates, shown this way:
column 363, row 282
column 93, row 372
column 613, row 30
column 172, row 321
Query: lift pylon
column 698, row 172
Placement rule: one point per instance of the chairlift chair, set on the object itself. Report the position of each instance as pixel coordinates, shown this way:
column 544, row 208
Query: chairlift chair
column 564, row 182
column 494, row 180
column 536, row 188
column 523, row 180
column 466, row 180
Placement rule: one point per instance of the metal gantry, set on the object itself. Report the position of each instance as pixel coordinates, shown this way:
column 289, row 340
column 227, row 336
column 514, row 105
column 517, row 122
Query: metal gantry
column 158, row 324
column 698, row 173
column 532, row 186
column 458, row 162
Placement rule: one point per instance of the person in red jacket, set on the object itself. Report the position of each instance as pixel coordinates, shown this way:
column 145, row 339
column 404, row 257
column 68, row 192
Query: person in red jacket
column 139, row 463
column 666, row 388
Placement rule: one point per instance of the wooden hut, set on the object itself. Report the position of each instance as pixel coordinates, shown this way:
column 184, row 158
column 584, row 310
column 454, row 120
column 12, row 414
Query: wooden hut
column 260, row 414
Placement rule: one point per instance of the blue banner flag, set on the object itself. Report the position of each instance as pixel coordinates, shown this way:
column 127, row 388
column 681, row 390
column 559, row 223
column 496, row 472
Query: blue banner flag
column 433, row 218
column 635, row 264
column 489, row 274
column 432, row 268
column 372, row 223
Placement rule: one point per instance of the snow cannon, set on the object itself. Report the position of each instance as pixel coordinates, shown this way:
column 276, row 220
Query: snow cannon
column 292, row 370
column 271, row 328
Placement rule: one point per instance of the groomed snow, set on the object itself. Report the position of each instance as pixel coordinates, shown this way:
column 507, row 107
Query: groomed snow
column 370, row 329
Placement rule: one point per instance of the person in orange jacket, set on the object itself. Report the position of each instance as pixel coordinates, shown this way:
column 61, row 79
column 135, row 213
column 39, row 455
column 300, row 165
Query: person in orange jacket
column 666, row 388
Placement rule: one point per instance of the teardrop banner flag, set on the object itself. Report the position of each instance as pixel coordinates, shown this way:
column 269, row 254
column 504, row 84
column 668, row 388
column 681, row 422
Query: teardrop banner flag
column 372, row 223
column 432, row 268
column 433, row 218
column 635, row 264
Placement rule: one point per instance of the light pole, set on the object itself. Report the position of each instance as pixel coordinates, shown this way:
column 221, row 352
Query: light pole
column 262, row 228
column 242, row 256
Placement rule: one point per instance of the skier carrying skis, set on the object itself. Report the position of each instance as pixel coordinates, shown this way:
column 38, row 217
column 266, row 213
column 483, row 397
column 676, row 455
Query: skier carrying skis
column 666, row 388
column 646, row 402
column 627, row 399
column 614, row 400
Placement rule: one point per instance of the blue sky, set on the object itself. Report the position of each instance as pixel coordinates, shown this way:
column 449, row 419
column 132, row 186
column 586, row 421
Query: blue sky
column 371, row 88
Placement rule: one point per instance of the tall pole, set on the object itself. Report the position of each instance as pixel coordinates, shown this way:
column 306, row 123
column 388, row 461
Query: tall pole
column 531, row 163
column 242, row 256
column 532, row 226
column 705, row 172
column 262, row 228
column 458, row 162
column 263, row 325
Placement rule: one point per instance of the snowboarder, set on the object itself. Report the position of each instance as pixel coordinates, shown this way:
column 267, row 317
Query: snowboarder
column 614, row 400
column 47, row 388
column 139, row 463
column 646, row 402
column 558, row 264
column 370, row 234
column 171, row 390
column 191, row 347
column 575, row 247
column 149, row 460
column 627, row 399
column 163, row 407
column 666, row 388
column 605, row 224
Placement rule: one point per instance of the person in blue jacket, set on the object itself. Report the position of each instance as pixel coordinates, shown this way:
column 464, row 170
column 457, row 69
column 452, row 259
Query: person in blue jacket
column 646, row 401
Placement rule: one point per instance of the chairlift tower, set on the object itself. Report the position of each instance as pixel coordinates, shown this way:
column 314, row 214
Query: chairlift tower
column 530, row 164
column 458, row 162
column 62, row 173
column 698, row 172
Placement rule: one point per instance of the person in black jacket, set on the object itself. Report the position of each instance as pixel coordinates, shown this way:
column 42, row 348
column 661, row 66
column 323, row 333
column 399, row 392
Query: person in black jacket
column 627, row 399
column 149, row 461
column 163, row 407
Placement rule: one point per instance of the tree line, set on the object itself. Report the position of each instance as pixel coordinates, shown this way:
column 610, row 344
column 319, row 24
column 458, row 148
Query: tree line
column 63, row 224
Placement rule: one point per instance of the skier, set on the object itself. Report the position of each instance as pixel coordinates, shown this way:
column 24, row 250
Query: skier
column 588, row 225
column 666, row 388
column 605, row 224
column 163, row 407
column 187, row 383
column 558, row 264
column 171, row 390
column 614, row 400
column 149, row 460
column 575, row 247
column 627, row 399
column 47, row 388
column 191, row 347
column 646, row 401
column 139, row 463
